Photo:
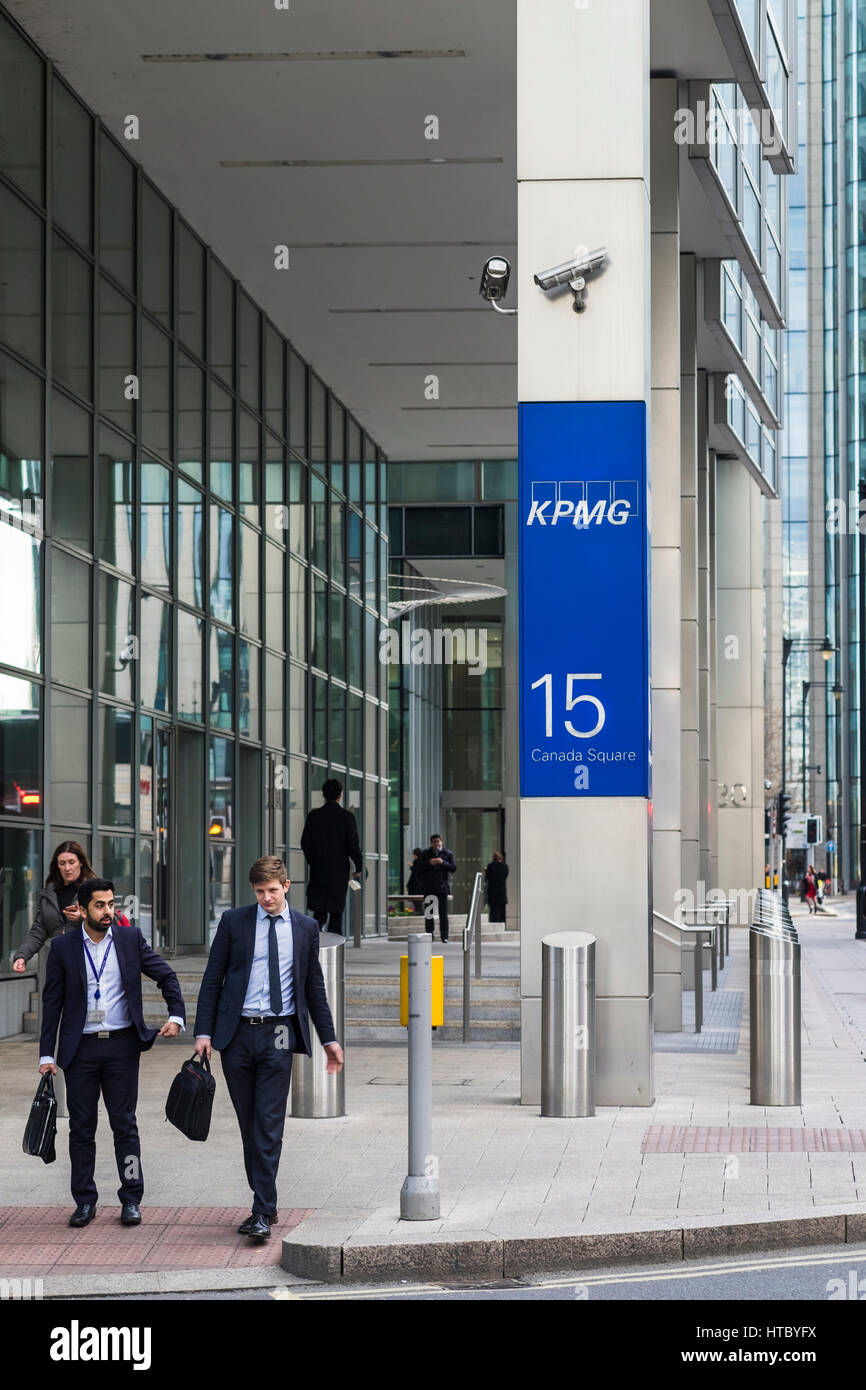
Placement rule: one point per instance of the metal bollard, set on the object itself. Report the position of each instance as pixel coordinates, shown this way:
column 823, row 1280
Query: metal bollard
column 316, row 1094
column 568, row 1040
column 774, row 1007
column 419, row 1196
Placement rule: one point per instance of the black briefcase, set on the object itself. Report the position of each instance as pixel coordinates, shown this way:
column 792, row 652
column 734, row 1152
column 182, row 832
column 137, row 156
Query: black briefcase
column 190, row 1100
column 41, row 1129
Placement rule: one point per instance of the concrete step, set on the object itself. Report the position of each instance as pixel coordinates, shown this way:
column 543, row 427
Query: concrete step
column 383, row 1030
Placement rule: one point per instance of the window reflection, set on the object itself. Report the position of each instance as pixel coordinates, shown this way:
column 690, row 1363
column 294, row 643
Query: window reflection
column 189, row 660
column 190, row 416
column 21, row 301
column 115, row 767
column 70, row 472
column 297, row 709
column 71, row 317
column 190, row 542
column 248, row 582
column 275, row 670
column 20, row 881
column 155, row 649
column 221, row 564
column 248, row 690
column 221, row 678
column 221, row 443
column 70, row 618
column 155, row 526
column 118, row 642
column 70, row 758
column 114, row 515
column 20, row 747
column 117, row 360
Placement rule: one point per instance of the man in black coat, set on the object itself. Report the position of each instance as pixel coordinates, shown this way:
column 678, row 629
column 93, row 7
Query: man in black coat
column 329, row 842
column 434, row 867
column 262, row 985
column 93, row 994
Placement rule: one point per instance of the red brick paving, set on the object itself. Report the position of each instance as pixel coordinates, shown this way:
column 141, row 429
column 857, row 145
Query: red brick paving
column 715, row 1139
column 38, row 1241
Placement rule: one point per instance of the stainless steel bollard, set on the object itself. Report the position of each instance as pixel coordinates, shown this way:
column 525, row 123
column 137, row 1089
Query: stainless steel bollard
column 419, row 1195
column 774, row 1009
column 316, row 1095
column 568, row 1040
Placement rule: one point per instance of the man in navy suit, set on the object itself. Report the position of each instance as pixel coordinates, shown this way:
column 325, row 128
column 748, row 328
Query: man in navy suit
column 262, row 985
column 93, row 994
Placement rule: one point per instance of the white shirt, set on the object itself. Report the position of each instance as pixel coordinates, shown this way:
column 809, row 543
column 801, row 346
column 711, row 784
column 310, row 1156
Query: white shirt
column 257, row 1001
column 112, row 994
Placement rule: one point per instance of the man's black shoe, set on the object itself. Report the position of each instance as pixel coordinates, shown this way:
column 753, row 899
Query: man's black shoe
column 244, row 1227
column 83, row 1215
column 130, row 1214
column 260, row 1228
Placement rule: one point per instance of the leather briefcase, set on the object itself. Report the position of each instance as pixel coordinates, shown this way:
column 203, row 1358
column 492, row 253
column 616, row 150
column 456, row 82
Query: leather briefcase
column 41, row 1129
column 190, row 1100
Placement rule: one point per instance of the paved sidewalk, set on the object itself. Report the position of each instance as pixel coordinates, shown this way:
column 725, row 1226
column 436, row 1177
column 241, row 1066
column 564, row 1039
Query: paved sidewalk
column 512, row 1183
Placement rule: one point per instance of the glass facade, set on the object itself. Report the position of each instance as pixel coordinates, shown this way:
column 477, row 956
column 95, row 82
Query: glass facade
column 176, row 492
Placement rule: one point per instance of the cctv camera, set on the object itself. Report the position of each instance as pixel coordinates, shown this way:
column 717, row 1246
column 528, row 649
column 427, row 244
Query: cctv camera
column 573, row 273
column 494, row 278
column 494, row 282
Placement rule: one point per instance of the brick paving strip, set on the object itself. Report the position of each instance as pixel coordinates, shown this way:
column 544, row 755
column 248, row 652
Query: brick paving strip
column 780, row 1139
column 37, row 1241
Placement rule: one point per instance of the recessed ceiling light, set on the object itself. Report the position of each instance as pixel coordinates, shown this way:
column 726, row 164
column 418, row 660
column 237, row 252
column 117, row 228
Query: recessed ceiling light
column 320, row 56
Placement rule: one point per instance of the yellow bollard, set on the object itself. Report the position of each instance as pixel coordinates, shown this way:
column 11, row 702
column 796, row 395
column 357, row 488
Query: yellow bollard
column 437, row 991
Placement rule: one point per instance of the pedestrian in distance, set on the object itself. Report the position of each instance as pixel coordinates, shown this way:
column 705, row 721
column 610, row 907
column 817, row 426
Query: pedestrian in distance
column 92, row 995
column 329, row 842
column 413, row 885
column 495, row 874
column 261, row 987
column 810, row 889
column 819, row 892
column 57, row 910
column 435, row 867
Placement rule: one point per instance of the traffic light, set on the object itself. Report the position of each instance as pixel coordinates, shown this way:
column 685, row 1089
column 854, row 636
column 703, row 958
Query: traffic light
column 785, row 811
column 814, row 830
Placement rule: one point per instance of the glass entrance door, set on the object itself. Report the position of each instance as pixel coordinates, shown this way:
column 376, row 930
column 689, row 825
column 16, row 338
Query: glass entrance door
column 472, row 836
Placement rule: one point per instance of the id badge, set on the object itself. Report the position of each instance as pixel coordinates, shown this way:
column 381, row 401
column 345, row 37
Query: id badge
column 95, row 1015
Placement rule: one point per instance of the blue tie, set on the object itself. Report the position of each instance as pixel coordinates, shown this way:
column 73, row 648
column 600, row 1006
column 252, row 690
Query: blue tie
column 274, row 968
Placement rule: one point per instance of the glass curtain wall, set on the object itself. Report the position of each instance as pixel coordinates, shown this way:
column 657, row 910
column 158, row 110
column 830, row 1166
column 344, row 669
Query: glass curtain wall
column 193, row 547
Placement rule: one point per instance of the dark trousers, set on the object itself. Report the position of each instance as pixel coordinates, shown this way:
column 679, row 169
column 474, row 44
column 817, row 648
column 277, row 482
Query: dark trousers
column 496, row 910
column 257, row 1065
column 109, row 1065
column 442, row 900
column 330, row 921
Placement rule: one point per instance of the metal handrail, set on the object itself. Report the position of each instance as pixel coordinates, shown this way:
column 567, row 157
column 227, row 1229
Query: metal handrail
column 472, row 925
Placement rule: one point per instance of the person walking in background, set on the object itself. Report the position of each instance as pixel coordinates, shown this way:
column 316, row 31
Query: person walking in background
column 261, row 986
column 819, row 891
column 413, row 886
column 329, row 841
column 810, row 889
column 92, row 995
column 435, row 865
column 496, row 873
column 58, row 909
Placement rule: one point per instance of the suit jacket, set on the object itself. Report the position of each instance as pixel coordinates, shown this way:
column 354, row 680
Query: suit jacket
column 64, row 996
column 434, row 877
column 227, row 976
column 329, row 841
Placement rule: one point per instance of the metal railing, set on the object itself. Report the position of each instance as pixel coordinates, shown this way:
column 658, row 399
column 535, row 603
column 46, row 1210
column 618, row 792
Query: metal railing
column 470, row 931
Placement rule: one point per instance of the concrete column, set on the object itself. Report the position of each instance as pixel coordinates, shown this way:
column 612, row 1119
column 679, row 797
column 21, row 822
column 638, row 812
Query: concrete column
column 691, row 615
column 586, row 862
column 666, row 549
column 740, row 680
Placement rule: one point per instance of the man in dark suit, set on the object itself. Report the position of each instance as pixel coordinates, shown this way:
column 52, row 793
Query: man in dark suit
column 262, row 985
column 93, row 994
column 434, row 867
column 329, row 841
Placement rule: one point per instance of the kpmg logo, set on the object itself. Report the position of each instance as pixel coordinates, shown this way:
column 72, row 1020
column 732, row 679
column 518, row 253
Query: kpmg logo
column 584, row 504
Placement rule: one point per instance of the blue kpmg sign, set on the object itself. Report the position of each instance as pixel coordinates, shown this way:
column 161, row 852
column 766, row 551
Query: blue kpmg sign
column 584, row 600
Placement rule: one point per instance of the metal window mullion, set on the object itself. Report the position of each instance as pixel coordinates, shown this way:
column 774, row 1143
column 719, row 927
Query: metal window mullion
column 45, row 546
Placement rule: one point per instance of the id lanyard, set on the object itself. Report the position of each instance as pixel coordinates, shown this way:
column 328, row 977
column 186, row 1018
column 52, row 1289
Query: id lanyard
column 97, row 975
